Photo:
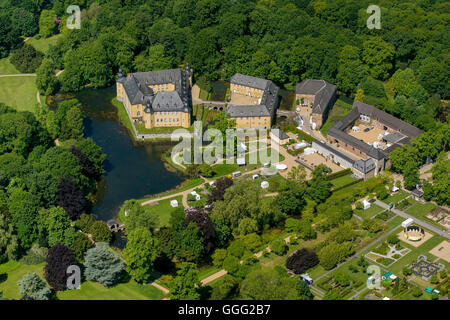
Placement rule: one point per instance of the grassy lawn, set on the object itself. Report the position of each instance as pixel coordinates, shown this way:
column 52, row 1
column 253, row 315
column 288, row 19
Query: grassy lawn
column 123, row 115
column 6, row 67
column 342, row 181
column 359, row 276
column 19, row 92
column 372, row 211
column 123, row 291
column 407, row 295
column 15, row 272
column 206, row 271
column 140, row 127
column 339, row 110
column 400, row 195
column 419, row 210
column 89, row 290
column 163, row 210
column 43, row 44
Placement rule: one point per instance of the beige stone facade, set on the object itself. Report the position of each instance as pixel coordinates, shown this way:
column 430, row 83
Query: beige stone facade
column 252, row 122
column 167, row 115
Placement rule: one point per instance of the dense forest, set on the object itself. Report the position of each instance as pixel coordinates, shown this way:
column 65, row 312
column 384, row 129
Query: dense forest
column 401, row 68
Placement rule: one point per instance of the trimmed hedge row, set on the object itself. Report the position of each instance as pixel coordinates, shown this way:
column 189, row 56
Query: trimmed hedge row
column 348, row 185
column 292, row 128
column 339, row 174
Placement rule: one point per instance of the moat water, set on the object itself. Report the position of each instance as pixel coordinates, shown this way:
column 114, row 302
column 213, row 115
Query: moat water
column 133, row 170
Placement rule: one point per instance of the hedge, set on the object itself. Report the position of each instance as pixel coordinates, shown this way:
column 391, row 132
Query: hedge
column 347, row 185
column 304, row 135
column 339, row 174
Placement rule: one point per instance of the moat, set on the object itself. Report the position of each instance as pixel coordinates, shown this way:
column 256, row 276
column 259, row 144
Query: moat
column 133, row 170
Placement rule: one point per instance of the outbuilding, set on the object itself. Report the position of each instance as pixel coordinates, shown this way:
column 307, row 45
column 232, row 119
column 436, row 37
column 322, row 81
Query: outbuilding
column 278, row 136
column 407, row 223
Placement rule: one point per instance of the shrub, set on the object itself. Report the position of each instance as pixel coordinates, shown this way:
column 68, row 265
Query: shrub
column 219, row 256
column 85, row 222
column 416, row 292
column 301, row 260
column 279, row 247
column 27, row 59
column 231, row 264
column 100, row 232
column 35, row 255
column 236, row 249
column 393, row 239
column 252, row 242
column 224, row 288
column 406, row 271
column 434, row 279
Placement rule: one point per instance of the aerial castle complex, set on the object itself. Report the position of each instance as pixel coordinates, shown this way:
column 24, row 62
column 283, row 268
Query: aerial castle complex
column 157, row 98
column 371, row 146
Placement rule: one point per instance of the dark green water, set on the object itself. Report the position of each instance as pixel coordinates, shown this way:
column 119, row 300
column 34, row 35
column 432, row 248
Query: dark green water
column 219, row 90
column 132, row 170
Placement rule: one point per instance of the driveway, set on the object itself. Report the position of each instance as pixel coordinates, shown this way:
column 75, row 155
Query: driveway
column 402, row 214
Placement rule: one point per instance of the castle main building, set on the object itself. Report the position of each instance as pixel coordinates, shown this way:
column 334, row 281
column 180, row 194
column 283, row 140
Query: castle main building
column 253, row 101
column 157, row 98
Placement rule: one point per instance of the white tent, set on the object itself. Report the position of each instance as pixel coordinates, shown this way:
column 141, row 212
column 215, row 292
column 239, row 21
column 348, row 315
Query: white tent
column 300, row 145
column 356, row 129
column 174, row 203
column 407, row 223
column 255, row 176
column 241, row 161
column 309, row 151
column 197, row 197
column 394, row 189
column 242, row 147
column 264, row 184
column 194, row 193
column 281, row 166
column 366, row 204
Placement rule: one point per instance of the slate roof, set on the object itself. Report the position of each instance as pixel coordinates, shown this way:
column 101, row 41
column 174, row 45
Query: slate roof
column 323, row 91
column 137, row 84
column 268, row 102
column 364, row 166
column 236, row 111
column 334, row 151
column 253, row 82
column 387, row 119
column 358, row 144
column 166, row 100
column 280, row 134
column 406, row 130
column 394, row 137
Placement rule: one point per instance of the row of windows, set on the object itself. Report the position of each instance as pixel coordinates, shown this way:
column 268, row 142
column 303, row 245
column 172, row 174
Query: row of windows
column 245, row 87
column 170, row 120
column 168, row 113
